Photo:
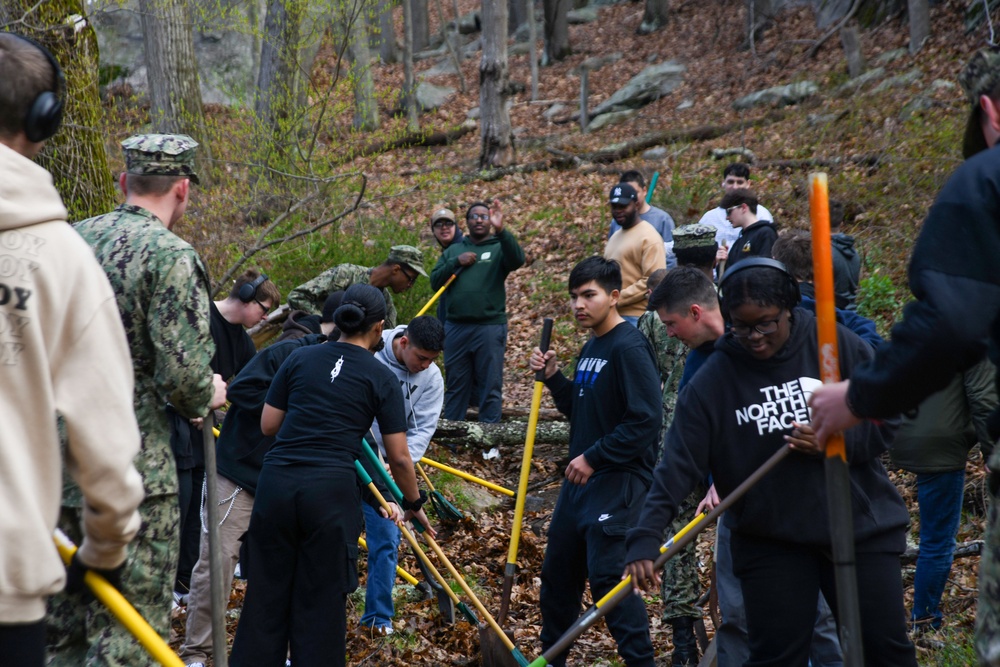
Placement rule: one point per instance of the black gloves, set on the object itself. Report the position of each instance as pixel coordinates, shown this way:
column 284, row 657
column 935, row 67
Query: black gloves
column 77, row 569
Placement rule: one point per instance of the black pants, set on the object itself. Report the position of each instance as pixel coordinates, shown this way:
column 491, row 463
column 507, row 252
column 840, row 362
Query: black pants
column 781, row 583
column 23, row 644
column 587, row 540
column 190, row 486
column 304, row 546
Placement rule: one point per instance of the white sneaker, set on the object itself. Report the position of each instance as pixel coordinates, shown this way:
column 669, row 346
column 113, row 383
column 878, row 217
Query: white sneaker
column 195, row 664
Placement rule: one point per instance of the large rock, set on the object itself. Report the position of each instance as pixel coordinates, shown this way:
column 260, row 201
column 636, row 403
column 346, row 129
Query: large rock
column 612, row 118
column 430, row 97
column 444, row 67
column 581, row 16
column 647, row 86
column 901, row 81
column 225, row 45
column 858, row 82
column 792, row 93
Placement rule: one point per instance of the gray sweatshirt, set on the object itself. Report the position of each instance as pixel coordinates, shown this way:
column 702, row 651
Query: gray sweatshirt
column 423, row 396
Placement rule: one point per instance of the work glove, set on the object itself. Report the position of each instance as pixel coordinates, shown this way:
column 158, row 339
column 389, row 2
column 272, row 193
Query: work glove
column 78, row 569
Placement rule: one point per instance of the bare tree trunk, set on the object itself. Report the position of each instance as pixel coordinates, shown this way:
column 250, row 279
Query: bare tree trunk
column 409, row 85
column 852, row 50
column 315, row 19
column 496, row 147
column 518, row 14
column 172, row 73
column 920, row 23
column 452, row 49
column 479, row 434
column 655, row 16
column 388, row 49
column 556, row 30
column 278, row 65
column 76, row 156
column 421, row 25
column 365, row 106
column 533, row 49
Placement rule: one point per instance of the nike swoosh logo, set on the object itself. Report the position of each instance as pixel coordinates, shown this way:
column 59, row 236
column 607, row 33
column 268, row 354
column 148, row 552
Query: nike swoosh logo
column 604, row 517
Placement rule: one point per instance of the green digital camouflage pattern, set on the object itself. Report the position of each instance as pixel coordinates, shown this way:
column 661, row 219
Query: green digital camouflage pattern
column 407, row 254
column 81, row 634
column 162, row 292
column 670, row 357
column 311, row 295
column 160, row 155
column 988, row 608
column 680, row 587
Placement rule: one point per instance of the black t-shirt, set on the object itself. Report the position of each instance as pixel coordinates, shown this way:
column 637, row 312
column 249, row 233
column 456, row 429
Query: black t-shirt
column 233, row 346
column 331, row 393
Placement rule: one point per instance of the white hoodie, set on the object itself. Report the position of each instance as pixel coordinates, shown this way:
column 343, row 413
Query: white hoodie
column 423, row 396
column 62, row 350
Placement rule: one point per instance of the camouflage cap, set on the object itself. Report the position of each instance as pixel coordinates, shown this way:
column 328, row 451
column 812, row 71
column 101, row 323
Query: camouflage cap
column 407, row 254
column 981, row 76
column 160, row 155
column 694, row 236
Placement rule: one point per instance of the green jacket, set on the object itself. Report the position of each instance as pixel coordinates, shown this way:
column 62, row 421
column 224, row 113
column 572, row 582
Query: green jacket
column 162, row 290
column 479, row 294
column 948, row 424
column 311, row 295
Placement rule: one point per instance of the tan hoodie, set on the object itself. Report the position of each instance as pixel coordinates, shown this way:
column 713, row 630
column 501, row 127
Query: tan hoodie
column 62, row 350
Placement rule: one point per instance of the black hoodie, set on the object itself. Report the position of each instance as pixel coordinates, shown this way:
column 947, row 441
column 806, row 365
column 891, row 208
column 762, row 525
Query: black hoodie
column 846, row 271
column 730, row 428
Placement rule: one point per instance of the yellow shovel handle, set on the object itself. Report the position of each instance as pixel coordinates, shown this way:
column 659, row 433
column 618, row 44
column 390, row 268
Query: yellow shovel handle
column 120, row 607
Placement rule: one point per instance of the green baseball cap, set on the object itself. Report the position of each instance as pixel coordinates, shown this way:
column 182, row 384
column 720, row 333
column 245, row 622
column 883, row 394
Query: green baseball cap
column 981, row 76
column 160, row 155
column 407, row 254
column 694, row 236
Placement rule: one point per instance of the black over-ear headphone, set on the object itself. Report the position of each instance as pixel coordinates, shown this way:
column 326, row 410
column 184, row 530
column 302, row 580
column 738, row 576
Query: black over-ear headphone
column 751, row 262
column 46, row 112
column 248, row 291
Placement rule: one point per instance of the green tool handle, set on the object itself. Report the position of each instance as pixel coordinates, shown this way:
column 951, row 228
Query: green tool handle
column 387, row 478
column 652, row 186
column 543, row 345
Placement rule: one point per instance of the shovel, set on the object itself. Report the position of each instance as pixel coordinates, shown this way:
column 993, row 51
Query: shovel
column 438, row 294
column 490, row 657
column 601, row 608
column 442, row 507
column 120, row 607
column 522, row 486
column 403, row 574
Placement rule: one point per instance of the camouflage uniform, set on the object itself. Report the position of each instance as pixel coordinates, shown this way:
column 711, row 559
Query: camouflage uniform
column 681, row 587
column 162, row 290
column 311, row 295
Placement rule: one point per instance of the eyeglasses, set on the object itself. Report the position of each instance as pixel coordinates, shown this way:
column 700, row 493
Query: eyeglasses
column 764, row 328
column 410, row 279
column 478, row 216
column 731, row 209
column 266, row 309
column 443, row 223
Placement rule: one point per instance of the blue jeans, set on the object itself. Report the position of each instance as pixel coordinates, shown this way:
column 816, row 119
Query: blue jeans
column 382, row 536
column 939, row 497
column 473, row 360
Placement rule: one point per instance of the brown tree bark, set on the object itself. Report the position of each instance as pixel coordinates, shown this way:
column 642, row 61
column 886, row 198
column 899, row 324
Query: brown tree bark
column 172, row 74
column 556, row 30
column 278, row 64
column 76, row 156
column 497, row 141
column 409, row 82
column 655, row 16
column 421, row 24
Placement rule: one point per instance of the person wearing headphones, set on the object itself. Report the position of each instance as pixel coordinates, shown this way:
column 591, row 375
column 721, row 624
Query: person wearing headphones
column 748, row 400
column 250, row 299
column 62, row 349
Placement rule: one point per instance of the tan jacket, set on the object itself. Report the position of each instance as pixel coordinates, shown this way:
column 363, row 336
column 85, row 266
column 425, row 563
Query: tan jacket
column 639, row 250
column 62, row 350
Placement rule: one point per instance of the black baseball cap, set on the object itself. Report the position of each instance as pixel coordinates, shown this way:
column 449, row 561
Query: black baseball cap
column 623, row 193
